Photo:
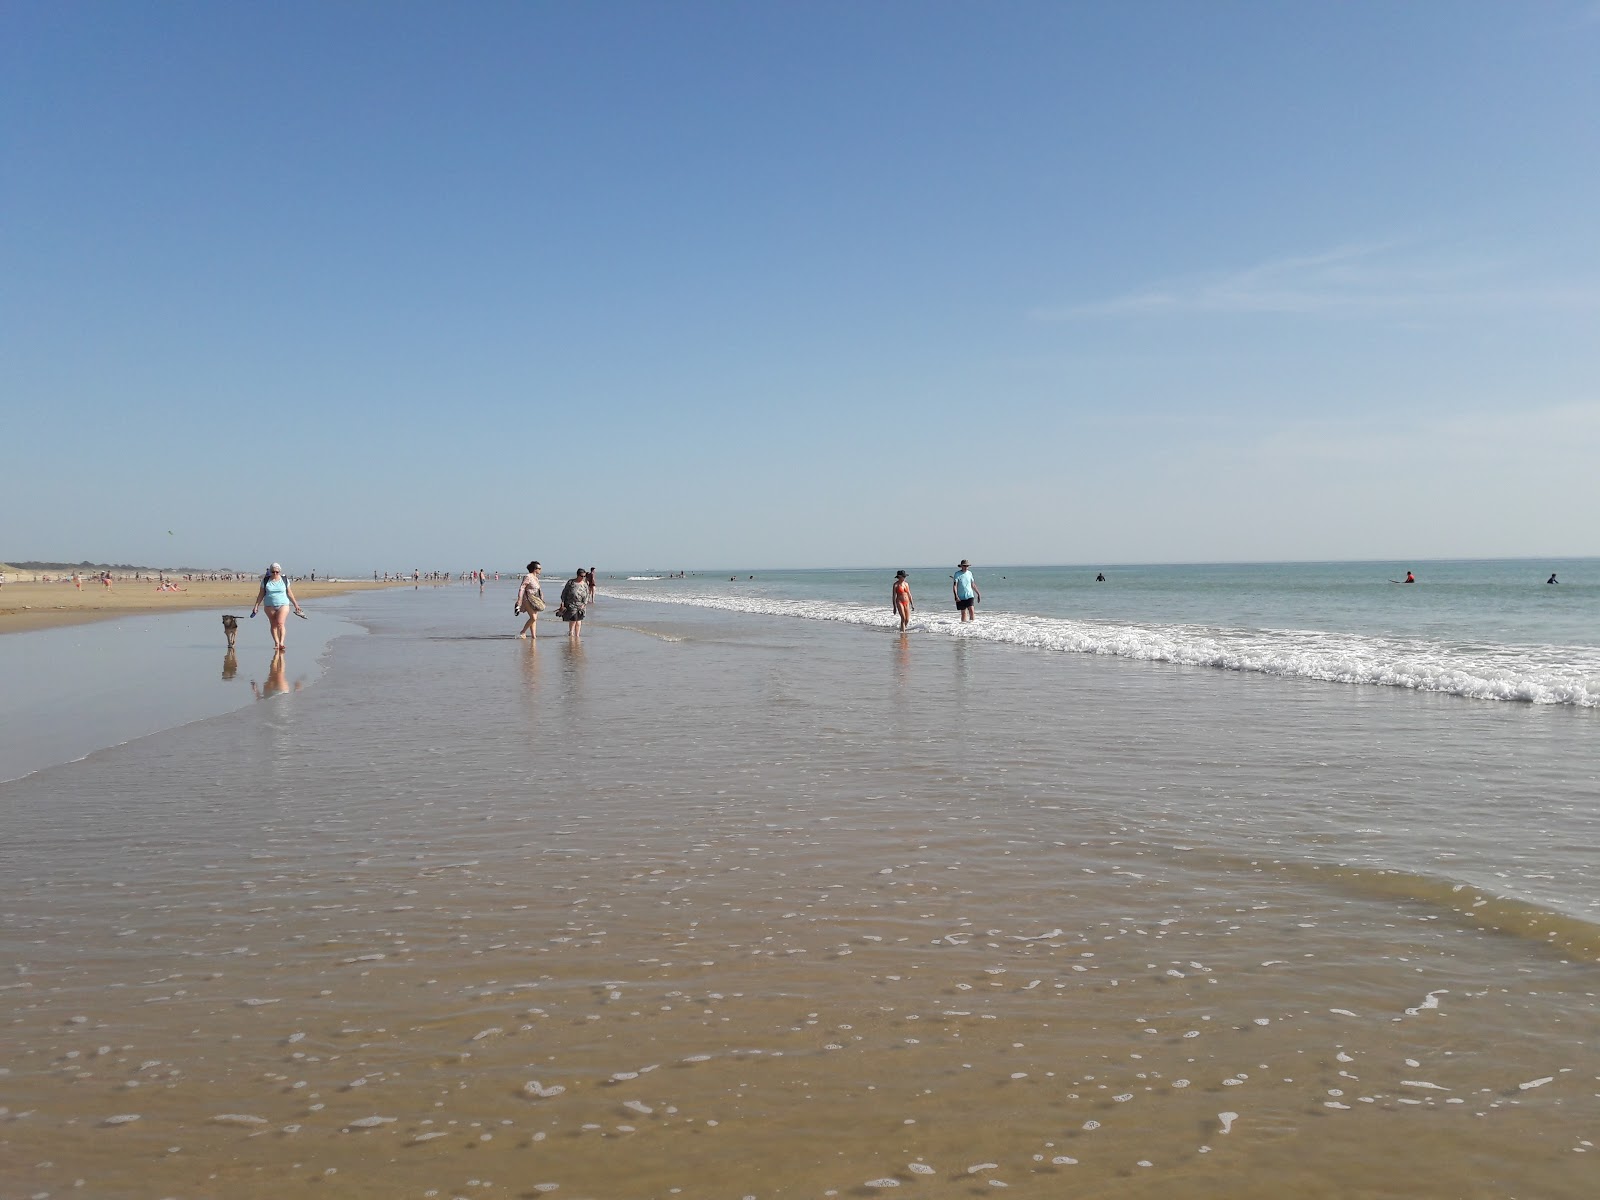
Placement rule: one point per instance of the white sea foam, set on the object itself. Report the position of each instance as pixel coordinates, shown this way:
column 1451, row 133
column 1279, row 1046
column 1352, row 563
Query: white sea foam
column 1533, row 674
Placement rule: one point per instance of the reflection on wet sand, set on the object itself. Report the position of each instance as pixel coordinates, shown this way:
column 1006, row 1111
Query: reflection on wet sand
column 277, row 679
column 230, row 664
column 530, row 670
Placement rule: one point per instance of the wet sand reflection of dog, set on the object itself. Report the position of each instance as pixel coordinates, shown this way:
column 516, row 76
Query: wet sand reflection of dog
column 230, row 664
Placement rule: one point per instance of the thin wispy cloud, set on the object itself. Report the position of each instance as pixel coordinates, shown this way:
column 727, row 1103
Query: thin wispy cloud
column 1567, row 432
column 1352, row 280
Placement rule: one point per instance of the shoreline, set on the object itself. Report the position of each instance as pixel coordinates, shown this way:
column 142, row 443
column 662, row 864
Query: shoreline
column 28, row 606
column 991, row 914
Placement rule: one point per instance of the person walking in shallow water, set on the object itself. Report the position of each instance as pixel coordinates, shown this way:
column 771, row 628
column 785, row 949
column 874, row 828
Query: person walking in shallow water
column 965, row 590
column 900, row 599
column 574, row 599
column 530, row 599
column 276, row 596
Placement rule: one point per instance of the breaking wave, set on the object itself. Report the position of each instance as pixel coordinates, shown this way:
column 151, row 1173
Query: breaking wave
column 1531, row 674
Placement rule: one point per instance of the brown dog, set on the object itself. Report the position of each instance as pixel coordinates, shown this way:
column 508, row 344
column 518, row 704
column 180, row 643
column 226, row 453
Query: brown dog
column 230, row 626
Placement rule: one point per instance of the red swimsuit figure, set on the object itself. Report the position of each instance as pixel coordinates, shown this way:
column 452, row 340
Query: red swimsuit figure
column 900, row 598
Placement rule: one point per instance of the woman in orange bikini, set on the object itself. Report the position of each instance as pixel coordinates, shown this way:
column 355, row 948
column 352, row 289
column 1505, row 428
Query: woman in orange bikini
column 900, row 598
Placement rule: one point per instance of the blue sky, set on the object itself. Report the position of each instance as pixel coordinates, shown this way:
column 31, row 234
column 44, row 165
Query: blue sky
column 364, row 286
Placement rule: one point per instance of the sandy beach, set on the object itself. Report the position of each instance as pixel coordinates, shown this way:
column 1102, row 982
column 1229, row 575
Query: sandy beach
column 31, row 604
column 471, row 916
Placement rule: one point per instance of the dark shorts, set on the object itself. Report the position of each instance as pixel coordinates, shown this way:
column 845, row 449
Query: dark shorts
column 963, row 605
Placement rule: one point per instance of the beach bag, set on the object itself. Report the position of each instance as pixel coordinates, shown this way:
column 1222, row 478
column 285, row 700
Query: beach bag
column 528, row 602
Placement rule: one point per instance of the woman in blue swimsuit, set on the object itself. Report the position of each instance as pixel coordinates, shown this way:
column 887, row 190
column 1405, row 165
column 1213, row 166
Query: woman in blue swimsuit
column 276, row 596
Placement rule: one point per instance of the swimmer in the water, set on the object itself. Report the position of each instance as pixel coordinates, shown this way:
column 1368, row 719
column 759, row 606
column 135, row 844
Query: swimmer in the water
column 1100, row 578
column 1552, row 578
column 1410, row 578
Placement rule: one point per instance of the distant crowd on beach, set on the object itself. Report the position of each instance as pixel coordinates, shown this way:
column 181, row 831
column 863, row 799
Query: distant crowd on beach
column 107, row 577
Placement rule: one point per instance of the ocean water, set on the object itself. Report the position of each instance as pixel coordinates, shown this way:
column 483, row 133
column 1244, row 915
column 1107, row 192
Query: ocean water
column 1484, row 629
column 728, row 903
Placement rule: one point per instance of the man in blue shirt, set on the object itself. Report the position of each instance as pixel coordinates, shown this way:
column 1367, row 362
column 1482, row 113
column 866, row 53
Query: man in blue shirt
column 965, row 589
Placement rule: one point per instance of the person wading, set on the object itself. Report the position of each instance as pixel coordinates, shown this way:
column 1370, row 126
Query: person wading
column 276, row 596
column 530, row 600
column 574, row 600
column 900, row 599
column 965, row 590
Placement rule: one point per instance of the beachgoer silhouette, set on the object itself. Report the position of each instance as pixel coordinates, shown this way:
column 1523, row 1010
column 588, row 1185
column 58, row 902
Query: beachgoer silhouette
column 1552, row 578
column 1100, row 578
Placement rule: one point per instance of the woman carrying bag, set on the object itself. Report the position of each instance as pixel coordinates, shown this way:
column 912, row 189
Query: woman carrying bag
column 530, row 600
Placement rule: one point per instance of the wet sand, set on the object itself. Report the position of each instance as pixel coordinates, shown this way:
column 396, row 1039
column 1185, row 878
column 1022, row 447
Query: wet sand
column 742, row 908
column 89, row 686
column 33, row 605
